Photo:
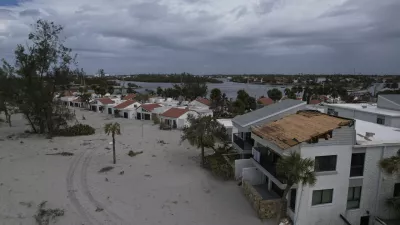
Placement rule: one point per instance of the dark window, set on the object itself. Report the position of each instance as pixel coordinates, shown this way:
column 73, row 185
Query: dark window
column 276, row 189
column 292, row 205
column 325, row 163
column 322, row 197
column 380, row 120
column 357, row 165
column 396, row 192
column 353, row 198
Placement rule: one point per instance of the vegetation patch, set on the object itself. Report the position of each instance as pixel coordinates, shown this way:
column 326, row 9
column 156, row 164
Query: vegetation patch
column 219, row 166
column 44, row 216
column 76, row 130
column 106, row 169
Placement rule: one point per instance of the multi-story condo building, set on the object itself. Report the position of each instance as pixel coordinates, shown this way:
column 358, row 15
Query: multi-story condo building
column 385, row 112
column 242, row 140
column 350, row 190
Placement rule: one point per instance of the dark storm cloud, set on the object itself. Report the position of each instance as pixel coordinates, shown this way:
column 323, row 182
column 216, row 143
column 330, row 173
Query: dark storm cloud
column 225, row 36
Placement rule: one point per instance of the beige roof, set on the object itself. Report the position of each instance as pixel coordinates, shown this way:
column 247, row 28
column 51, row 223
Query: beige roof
column 301, row 127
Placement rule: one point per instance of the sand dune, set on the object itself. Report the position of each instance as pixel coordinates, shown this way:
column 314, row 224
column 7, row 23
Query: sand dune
column 164, row 185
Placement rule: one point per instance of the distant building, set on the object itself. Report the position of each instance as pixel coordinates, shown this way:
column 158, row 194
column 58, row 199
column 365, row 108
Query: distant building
column 385, row 112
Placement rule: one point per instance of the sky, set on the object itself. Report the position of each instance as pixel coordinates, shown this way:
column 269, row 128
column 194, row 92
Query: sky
column 217, row 36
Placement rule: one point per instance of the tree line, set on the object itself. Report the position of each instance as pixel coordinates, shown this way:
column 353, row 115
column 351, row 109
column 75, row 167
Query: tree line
column 171, row 78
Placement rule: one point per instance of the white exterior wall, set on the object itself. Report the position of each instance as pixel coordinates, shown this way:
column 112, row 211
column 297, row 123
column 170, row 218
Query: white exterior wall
column 366, row 116
column 337, row 180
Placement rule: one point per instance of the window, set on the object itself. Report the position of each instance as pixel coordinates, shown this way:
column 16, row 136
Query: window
column 322, row 197
column 325, row 163
column 292, row 204
column 357, row 165
column 353, row 198
column 380, row 120
column 396, row 192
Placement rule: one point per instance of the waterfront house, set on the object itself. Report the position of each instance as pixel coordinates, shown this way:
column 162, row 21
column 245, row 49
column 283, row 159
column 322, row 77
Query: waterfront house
column 350, row 187
column 98, row 105
column 129, row 97
column 67, row 97
column 200, row 102
column 385, row 112
column 176, row 118
column 145, row 111
column 126, row 109
column 242, row 140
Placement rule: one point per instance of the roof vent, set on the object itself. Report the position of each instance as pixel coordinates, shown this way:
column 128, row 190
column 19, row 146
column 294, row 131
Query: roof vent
column 369, row 134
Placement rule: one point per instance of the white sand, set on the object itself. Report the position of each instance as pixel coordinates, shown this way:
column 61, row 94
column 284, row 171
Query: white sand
column 164, row 185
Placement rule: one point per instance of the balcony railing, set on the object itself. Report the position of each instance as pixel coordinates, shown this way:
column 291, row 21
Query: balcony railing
column 268, row 162
column 243, row 144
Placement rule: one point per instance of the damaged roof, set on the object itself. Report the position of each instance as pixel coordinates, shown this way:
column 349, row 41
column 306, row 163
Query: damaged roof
column 300, row 127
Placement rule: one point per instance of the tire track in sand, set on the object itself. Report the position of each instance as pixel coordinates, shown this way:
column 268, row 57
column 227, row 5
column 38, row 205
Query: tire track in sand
column 108, row 213
column 72, row 195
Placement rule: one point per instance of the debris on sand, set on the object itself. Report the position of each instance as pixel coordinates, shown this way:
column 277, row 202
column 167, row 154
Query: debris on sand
column 162, row 142
column 153, row 155
column 43, row 216
column 27, row 204
column 121, row 173
column 106, row 179
column 106, row 169
column 147, row 175
column 62, row 153
column 133, row 154
column 98, row 209
column 107, row 148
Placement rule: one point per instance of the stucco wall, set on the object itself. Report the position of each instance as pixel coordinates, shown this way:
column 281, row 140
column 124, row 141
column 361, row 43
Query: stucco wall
column 240, row 164
column 338, row 180
column 386, row 104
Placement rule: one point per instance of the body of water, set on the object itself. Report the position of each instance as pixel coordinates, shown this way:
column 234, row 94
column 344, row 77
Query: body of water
column 229, row 88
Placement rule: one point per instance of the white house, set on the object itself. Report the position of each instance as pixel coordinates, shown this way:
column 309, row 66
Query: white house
column 242, row 140
column 350, row 187
column 227, row 123
column 127, row 109
column 145, row 111
column 99, row 105
column 177, row 117
column 200, row 102
column 385, row 112
column 67, row 98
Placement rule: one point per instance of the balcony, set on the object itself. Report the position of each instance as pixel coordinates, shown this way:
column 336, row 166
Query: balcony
column 267, row 159
column 243, row 144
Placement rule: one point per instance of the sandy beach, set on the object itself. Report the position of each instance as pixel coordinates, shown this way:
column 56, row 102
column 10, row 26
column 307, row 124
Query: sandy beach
column 164, row 185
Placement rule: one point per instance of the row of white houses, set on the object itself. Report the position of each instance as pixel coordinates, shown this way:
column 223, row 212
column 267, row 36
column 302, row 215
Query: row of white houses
column 169, row 111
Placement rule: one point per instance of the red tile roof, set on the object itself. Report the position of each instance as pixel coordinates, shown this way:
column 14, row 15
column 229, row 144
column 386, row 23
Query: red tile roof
column 129, row 97
column 125, row 104
column 266, row 101
column 315, row 101
column 150, row 107
column 204, row 101
column 174, row 112
column 105, row 101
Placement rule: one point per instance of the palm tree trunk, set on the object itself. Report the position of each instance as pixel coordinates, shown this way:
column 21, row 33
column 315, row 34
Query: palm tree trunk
column 283, row 211
column 202, row 157
column 114, row 157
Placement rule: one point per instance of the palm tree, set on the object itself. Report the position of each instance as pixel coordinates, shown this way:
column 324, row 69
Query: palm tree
column 113, row 129
column 295, row 170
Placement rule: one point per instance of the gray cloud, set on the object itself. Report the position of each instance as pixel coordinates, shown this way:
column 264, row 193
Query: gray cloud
column 229, row 36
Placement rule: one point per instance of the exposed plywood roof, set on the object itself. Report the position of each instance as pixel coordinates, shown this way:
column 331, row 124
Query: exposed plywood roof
column 297, row 128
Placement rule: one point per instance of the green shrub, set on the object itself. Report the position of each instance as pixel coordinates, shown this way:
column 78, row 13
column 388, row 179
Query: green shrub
column 76, row 130
column 156, row 120
column 219, row 166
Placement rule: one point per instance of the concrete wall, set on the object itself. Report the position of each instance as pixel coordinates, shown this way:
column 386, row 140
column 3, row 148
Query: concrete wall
column 376, row 186
column 253, row 176
column 337, row 180
column 240, row 164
